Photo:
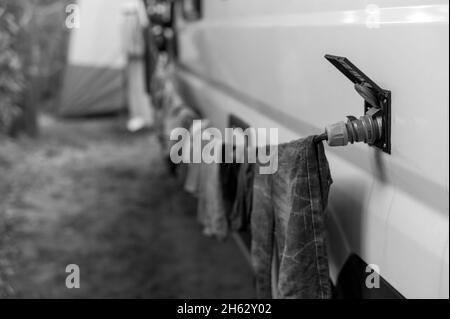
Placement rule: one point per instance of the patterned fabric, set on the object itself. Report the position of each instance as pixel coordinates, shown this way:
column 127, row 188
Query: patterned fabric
column 289, row 212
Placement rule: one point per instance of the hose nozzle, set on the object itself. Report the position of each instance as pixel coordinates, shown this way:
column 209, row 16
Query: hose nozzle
column 367, row 129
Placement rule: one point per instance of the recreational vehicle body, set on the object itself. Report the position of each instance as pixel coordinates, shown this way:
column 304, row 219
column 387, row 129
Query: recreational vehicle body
column 262, row 61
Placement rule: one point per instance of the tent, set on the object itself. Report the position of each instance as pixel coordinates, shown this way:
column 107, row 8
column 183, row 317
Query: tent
column 93, row 79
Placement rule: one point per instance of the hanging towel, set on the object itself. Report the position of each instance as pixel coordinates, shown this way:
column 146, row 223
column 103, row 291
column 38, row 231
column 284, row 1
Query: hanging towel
column 238, row 177
column 289, row 212
column 240, row 214
column 234, row 156
column 192, row 181
column 211, row 209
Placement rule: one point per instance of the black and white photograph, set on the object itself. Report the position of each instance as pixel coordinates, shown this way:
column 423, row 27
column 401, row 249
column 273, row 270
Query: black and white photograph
column 238, row 150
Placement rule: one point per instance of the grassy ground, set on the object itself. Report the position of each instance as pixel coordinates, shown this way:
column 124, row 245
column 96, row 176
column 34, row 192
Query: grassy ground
column 91, row 194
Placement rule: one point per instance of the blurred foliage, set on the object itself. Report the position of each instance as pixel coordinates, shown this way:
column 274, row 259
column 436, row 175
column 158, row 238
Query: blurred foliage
column 32, row 49
column 11, row 67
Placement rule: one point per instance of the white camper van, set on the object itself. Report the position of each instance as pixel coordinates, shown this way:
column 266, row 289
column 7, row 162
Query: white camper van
column 262, row 62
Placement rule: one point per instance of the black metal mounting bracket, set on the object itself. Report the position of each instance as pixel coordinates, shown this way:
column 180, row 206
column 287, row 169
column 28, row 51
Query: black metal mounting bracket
column 374, row 97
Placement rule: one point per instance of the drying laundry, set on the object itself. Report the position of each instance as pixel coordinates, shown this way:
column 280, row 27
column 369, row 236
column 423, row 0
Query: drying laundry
column 192, row 180
column 234, row 155
column 289, row 212
column 242, row 207
column 237, row 187
column 211, row 210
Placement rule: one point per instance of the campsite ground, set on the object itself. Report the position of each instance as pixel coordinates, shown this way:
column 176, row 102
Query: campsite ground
column 89, row 193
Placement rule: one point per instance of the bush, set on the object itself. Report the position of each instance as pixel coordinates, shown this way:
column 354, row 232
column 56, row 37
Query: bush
column 33, row 43
column 11, row 68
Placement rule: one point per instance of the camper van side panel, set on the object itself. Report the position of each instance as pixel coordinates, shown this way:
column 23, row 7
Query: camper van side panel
column 263, row 61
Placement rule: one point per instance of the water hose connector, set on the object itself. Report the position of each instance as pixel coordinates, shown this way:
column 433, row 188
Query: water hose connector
column 367, row 129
